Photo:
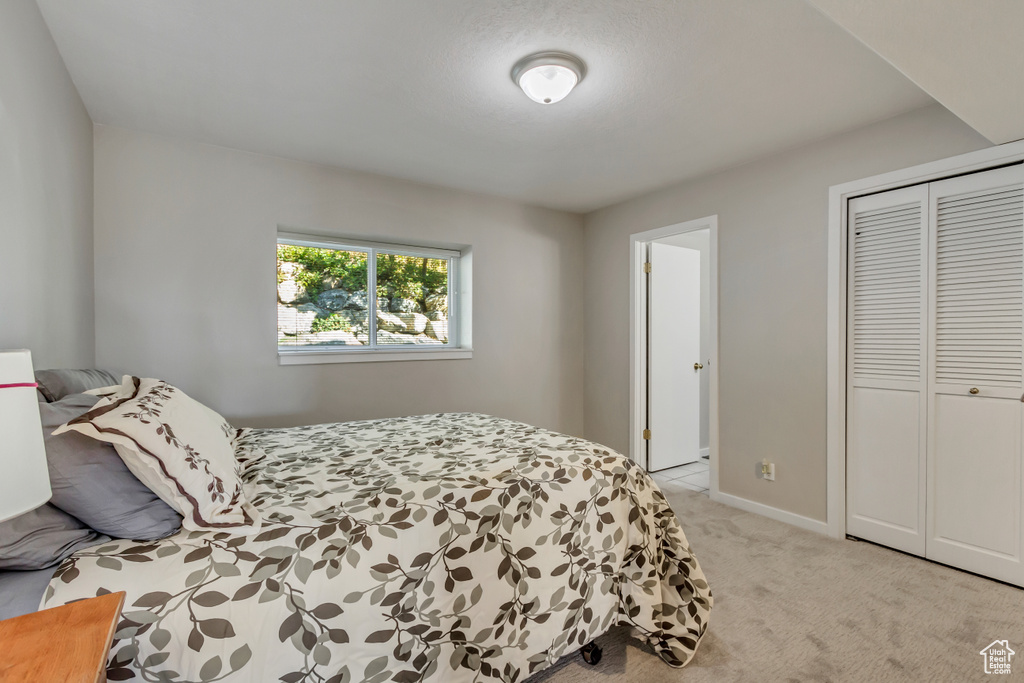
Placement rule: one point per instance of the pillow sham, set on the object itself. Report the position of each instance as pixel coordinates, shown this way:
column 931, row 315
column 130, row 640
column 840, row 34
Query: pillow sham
column 21, row 591
column 56, row 384
column 179, row 448
column 42, row 538
column 103, row 392
column 91, row 482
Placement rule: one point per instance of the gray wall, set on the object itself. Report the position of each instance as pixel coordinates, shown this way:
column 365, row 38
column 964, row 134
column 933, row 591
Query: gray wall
column 46, row 301
column 186, row 286
column 773, row 218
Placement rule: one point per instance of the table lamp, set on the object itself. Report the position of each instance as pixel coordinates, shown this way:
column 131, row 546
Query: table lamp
column 24, row 480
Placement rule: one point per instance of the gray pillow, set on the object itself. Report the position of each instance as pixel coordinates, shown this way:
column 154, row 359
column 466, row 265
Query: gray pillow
column 21, row 592
column 42, row 538
column 91, row 482
column 56, row 384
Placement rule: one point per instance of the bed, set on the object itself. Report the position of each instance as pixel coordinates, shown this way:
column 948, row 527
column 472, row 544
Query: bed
column 448, row 547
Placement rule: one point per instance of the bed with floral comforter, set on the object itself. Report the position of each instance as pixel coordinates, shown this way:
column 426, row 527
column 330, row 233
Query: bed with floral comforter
column 451, row 547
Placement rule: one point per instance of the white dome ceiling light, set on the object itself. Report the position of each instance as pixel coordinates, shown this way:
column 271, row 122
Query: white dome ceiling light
column 547, row 77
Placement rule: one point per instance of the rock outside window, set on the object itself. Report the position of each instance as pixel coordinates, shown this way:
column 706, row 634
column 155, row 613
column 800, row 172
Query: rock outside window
column 353, row 300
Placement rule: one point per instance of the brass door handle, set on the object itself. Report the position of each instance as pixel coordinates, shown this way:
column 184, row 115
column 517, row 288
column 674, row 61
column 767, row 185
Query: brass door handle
column 698, row 366
column 973, row 390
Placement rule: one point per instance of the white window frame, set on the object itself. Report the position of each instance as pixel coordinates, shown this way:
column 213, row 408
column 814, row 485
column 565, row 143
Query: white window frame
column 459, row 344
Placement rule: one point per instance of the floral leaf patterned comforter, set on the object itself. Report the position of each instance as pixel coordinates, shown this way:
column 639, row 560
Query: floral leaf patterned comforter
column 452, row 547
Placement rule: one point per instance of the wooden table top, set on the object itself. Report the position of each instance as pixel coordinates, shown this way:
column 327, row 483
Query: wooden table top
column 69, row 643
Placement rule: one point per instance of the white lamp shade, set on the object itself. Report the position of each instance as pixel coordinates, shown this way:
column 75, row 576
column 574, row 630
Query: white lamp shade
column 548, row 83
column 547, row 77
column 24, row 480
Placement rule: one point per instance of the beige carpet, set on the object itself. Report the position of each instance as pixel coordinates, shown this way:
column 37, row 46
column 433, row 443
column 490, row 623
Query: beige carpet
column 791, row 605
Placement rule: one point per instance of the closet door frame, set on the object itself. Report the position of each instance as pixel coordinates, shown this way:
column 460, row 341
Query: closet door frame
column 836, row 386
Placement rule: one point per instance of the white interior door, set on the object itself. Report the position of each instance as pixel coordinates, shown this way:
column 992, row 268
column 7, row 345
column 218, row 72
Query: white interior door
column 674, row 344
column 886, row 400
column 975, row 485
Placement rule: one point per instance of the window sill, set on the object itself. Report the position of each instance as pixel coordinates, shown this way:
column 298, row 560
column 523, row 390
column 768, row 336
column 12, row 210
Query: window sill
column 317, row 357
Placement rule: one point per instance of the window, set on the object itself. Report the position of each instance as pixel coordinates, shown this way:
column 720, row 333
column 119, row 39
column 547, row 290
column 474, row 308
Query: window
column 326, row 291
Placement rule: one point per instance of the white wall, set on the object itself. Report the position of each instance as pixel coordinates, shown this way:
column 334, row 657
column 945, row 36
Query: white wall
column 701, row 241
column 46, row 299
column 772, row 218
column 186, row 286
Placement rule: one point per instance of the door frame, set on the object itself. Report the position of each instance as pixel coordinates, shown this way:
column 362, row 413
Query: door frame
column 838, row 196
column 638, row 340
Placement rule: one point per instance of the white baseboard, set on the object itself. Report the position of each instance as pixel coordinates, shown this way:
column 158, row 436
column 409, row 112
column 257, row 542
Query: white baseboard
column 796, row 520
column 704, row 452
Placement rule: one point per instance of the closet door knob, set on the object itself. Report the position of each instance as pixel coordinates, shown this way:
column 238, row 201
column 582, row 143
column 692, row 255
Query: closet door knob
column 974, row 390
column 698, row 366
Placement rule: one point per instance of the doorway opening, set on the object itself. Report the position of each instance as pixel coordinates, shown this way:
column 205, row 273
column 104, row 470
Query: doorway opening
column 673, row 350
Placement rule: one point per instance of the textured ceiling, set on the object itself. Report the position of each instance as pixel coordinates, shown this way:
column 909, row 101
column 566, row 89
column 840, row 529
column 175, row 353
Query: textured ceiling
column 967, row 55
column 421, row 90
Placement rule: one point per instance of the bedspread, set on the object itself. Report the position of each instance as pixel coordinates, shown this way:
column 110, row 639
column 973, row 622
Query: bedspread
column 451, row 547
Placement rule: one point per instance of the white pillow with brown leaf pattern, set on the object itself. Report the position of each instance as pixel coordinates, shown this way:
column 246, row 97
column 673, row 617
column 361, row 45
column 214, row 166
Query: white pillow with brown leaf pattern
column 176, row 446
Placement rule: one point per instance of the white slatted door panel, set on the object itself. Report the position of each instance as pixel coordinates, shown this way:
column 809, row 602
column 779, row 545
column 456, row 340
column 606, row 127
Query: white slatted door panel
column 886, row 285
column 886, row 349
column 979, row 269
column 975, row 487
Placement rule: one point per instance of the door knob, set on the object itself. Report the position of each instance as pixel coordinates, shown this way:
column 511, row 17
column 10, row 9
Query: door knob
column 973, row 390
column 698, row 366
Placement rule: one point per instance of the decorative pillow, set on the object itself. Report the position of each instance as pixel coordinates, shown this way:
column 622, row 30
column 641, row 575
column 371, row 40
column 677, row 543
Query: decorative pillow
column 56, row 384
column 90, row 481
column 177, row 447
column 42, row 538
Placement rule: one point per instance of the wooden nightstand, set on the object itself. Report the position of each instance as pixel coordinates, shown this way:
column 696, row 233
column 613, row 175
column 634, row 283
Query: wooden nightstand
column 68, row 644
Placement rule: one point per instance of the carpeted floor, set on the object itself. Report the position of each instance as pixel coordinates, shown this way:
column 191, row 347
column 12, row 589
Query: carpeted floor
column 791, row 605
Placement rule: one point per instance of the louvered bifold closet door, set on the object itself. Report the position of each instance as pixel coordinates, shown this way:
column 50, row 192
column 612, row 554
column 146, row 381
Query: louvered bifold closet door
column 886, row 349
column 975, row 486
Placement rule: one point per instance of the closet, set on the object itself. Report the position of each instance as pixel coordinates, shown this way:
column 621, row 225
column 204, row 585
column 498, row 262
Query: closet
column 935, row 389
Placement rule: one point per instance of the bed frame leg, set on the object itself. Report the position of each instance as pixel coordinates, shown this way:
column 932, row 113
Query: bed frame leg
column 591, row 653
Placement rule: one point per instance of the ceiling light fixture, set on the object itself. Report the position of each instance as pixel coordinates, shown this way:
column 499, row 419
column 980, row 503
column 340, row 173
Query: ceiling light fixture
column 547, row 77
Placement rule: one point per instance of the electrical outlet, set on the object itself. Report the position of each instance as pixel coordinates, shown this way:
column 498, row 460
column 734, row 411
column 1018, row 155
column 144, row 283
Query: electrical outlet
column 766, row 470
